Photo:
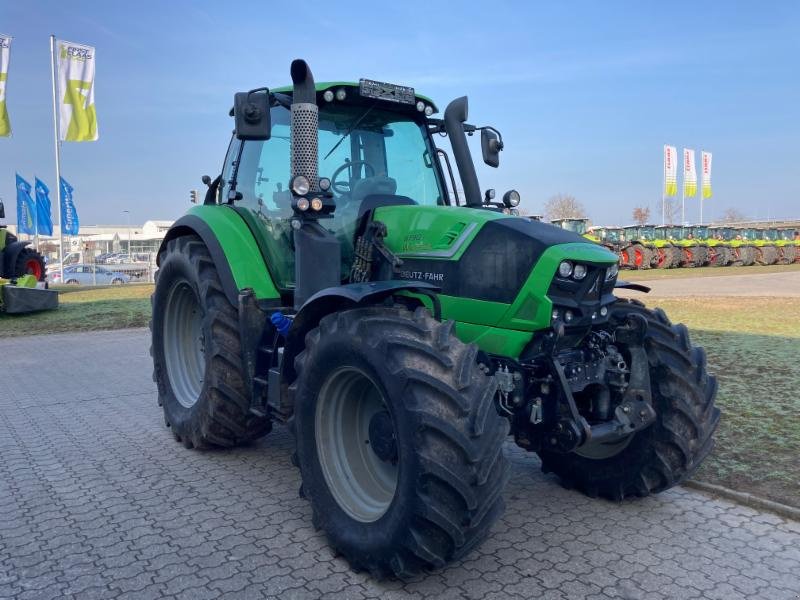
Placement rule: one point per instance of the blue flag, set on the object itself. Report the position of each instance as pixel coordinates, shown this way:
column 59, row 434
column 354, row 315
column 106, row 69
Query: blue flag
column 44, row 222
column 26, row 210
column 69, row 216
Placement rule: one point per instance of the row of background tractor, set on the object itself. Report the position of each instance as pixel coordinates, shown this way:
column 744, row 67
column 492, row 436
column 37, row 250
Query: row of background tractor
column 671, row 246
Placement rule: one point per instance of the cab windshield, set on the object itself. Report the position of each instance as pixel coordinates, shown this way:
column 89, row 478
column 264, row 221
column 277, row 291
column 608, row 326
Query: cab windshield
column 364, row 151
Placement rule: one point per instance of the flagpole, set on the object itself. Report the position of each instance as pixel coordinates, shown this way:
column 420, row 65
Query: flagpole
column 663, row 186
column 58, row 158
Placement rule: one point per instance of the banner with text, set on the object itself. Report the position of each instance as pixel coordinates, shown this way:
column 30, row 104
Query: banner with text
column 69, row 215
column 689, row 174
column 670, row 171
column 26, row 210
column 705, row 160
column 5, row 51
column 44, row 215
column 75, row 68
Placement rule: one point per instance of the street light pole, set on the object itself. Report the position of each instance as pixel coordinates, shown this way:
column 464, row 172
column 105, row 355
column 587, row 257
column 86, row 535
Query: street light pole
column 129, row 233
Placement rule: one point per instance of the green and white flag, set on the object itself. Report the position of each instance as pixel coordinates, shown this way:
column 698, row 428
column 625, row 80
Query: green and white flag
column 75, row 68
column 5, row 51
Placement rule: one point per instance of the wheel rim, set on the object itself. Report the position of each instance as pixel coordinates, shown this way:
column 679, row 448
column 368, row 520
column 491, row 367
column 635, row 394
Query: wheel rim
column 360, row 470
column 32, row 267
column 184, row 353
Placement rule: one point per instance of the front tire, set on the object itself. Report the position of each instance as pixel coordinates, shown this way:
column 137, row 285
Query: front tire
column 30, row 262
column 197, row 354
column 388, row 383
column 668, row 451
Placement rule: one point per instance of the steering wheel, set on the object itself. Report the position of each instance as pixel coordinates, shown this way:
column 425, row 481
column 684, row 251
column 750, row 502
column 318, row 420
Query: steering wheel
column 343, row 187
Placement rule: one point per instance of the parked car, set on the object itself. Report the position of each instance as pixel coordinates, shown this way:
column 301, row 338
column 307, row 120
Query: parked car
column 118, row 259
column 90, row 275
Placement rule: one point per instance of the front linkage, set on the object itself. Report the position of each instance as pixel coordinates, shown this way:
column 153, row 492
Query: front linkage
column 539, row 395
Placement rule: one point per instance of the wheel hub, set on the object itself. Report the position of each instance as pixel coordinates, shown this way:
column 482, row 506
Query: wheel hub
column 381, row 437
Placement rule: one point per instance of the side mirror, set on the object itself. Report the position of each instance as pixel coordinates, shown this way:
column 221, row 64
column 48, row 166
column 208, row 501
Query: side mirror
column 2, row 210
column 491, row 146
column 251, row 115
column 206, row 180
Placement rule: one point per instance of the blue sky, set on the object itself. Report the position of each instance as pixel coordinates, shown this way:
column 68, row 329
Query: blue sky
column 585, row 93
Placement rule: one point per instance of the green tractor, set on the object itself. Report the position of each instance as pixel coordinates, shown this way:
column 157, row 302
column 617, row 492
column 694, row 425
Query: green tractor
column 743, row 253
column 687, row 252
column 666, row 253
column 327, row 283
column 21, row 273
column 766, row 252
column 17, row 258
column 635, row 252
column 718, row 252
column 576, row 225
column 783, row 240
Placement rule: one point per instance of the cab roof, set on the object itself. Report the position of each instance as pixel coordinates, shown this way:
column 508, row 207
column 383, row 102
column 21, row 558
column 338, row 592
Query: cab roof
column 322, row 86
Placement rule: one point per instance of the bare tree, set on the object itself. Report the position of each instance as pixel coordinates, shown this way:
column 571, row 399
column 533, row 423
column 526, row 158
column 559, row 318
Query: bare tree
column 672, row 210
column 731, row 215
column 641, row 215
column 563, row 206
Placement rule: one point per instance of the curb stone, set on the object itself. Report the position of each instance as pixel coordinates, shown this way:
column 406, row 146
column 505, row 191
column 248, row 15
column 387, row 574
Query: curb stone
column 782, row 510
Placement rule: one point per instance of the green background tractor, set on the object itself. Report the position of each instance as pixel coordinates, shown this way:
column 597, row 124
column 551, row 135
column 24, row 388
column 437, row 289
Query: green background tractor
column 327, row 283
column 17, row 257
column 766, row 252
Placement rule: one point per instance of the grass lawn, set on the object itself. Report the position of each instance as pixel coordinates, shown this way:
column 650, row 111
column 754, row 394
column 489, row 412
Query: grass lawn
column 85, row 309
column 753, row 347
column 651, row 274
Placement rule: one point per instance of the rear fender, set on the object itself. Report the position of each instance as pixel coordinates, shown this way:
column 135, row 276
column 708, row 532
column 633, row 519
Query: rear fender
column 233, row 250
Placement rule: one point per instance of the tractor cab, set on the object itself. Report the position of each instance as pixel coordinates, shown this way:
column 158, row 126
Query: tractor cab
column 575, row 225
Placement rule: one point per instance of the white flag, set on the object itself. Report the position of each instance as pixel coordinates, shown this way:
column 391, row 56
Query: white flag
column 5, row 51
column 75, row 67
column 689, row 174
column 706, row 173
column 670, row 171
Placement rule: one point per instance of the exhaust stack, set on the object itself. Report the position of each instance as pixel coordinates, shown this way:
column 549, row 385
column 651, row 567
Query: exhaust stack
column 455, row 115
column 305, row 124
column 317, row 254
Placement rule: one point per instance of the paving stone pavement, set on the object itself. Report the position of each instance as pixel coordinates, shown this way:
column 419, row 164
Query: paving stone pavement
column 98, row 501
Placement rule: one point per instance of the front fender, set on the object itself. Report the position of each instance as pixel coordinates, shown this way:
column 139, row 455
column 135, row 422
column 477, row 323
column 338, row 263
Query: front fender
column 334, row 299
column 232, row 247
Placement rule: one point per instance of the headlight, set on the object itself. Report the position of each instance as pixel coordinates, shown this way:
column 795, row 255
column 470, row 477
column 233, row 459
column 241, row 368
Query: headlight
column 300, row 185
column 328, row 96
column 511, row 198
column 302, row 204
column 565, row 269
column 341, row 94
column 316, row 204
column 579, row 272
column 612, row 272
column 324, row 184
column 420, row 105
column 428, row 111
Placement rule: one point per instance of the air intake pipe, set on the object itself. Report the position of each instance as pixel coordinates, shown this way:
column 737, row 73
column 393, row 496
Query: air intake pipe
column 305, row 124
column 454, row 117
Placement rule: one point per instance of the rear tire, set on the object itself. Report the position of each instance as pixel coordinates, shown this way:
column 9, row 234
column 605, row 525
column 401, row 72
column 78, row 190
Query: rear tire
column 766, row 255
column 439, row 425
column 197, row 354
column 788, row 254
column 670, row 450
